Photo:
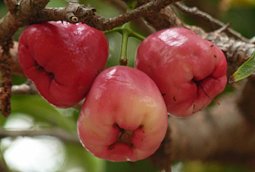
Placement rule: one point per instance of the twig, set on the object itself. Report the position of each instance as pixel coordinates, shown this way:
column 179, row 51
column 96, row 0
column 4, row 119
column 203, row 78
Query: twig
column 24, row 89
column 10, row 23
column 194, row 11
column 143, row 10
column 17, row 90
column 59, row 133
column 33, row 11
column 87, row 15
column 11, row 5
column 236, row 50
column 6, row 83
column 162, row 19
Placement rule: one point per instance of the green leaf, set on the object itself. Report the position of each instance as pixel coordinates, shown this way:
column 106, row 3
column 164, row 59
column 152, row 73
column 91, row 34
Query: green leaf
column 245, row 70
column 81, row 160
column 37, row 107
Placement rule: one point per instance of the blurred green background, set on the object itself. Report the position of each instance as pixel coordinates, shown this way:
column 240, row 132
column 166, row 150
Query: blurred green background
column 50, row 154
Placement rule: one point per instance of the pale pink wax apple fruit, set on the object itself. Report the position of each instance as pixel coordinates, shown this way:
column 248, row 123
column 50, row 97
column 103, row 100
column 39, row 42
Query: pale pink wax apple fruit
column 188, row 70
column 124, row 117
column 62, row 59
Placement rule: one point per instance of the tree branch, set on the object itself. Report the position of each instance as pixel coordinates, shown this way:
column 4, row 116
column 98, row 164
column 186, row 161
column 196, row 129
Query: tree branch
column 143, row 10
column 11, row 5
column 194, row 11
column 6, row 82
column 220, row 132
column 19, row 16
column 236, row 50
column 58, row 133
column 246, row 101
column 78, row 13
column 24, row 89
column 163, row 19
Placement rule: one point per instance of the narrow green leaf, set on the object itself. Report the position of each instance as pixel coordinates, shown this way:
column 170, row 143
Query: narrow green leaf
column 37, row 107
column 245, row 70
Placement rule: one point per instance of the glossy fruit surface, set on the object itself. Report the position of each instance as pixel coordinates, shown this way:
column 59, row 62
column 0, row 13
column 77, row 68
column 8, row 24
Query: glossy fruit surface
column 124, row 117
column 188, row 70
column 62, row 59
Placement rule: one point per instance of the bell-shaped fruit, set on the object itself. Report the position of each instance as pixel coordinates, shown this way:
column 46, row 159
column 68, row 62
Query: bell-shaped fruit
column 188, row 70
column 124, row 117
column 62, row 59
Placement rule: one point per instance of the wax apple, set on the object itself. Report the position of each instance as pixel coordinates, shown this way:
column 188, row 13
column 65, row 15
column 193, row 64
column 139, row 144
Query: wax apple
column 124, row 117
column 62, row 59
column 188, row 70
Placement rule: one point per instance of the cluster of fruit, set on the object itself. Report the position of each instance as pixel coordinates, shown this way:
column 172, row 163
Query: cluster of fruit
column 125, row 113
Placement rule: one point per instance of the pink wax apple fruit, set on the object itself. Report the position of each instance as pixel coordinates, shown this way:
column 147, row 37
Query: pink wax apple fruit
column 124, row 117
column 62, row 59
column 188, row 70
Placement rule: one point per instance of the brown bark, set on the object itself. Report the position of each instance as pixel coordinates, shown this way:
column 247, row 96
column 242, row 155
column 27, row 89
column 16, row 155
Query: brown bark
column 220, row 133
column 246, row 101
column 15, row 67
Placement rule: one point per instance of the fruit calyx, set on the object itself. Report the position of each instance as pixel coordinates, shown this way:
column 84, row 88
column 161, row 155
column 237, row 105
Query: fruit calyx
column 40, row 68
column 124, row 136
column 199, row 85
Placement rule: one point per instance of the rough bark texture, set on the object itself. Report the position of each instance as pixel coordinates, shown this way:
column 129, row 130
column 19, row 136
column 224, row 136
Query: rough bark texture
column 246, row 102
column 222, row 132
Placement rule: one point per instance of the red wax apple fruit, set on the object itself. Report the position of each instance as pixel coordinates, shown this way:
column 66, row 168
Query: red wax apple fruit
column 124, row 117
column 188, row 70
column 62, row 59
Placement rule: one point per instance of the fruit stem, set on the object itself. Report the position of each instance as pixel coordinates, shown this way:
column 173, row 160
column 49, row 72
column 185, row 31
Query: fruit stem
column 135, row 34
column 126, row 29
column 126, row 32
column 124, row 46
column 117, row 29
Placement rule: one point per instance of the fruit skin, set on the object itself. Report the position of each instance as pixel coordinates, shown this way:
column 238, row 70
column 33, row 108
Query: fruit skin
column 188, row 70
column 62, row 59
column 124, row 117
